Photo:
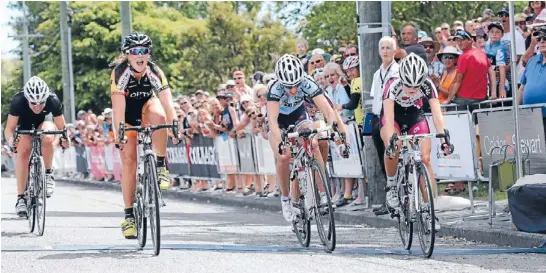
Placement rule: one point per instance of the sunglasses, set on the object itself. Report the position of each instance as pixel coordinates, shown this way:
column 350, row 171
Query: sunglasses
column 541, row 38
column 37, row 103
column 450, row 39
column 503, row 15
column 428, row 46
column 260, row 96
column 353, row 54
column 316, row 62
column 449, row 57
column 139, row 50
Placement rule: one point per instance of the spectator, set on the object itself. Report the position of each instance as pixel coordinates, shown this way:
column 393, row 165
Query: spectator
column 469, row 26
column 240, row 84
column 409, row 33
column 506, row 41
column 257, row 78
column 440, row 37
column 533, row 80
column 388, row 69
column 318, row 75
column 538, row 7
column 458, row 25
column 480, row 39
column 446, row 32
column 521, row 24
column 301, row 52
column 435, row 68
column 497, row 55
column 449, row 58
column 317, row 61
column 336, row 90
column 487, row 18
column 471, row 82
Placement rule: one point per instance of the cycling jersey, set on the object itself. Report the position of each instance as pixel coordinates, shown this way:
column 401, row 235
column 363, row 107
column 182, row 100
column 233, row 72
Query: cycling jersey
column 137, row 92
column 290, row 104
column 27, row 118
column 408, row 111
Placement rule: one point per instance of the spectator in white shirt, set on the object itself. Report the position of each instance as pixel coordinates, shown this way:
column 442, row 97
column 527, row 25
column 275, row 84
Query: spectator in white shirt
column 388, row 69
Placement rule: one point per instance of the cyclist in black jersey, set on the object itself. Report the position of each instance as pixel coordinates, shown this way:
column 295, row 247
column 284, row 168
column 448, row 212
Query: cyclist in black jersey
column 28, row 109
column 133, row 82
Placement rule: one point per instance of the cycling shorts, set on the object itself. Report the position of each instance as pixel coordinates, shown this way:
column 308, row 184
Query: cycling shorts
column 297, row 118
column 411, row 124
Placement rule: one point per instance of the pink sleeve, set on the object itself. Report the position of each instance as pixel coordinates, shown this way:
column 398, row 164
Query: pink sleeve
column 387, row 94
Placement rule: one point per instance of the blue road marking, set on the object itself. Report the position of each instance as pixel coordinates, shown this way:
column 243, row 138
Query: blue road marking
column 234, row 248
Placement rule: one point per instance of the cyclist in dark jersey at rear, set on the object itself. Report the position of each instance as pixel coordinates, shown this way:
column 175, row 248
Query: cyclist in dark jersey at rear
column 28, row 109
column 133, row 82
column 403, row 108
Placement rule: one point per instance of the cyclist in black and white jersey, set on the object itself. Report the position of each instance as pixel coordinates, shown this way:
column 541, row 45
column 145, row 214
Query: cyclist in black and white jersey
column 28, row 109
column 285, row 107
column 403, row 101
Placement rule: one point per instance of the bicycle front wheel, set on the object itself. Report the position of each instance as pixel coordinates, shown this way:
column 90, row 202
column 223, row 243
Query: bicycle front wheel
column 153, row 203
column 31, row 196
column 41, row 197
column 139, row 209
column 405, row 225
column 324, row 213
column 426, row 219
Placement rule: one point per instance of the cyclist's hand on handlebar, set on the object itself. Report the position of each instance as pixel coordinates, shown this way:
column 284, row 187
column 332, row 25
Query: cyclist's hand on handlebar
column 121, row 144
column 12, row 143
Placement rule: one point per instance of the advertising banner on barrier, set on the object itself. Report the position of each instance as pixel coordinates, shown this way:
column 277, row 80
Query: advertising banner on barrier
column 97, row 162
column 264, row 156
column 227, row 156
column 202, row 157
column 460, row 165
column 347, row 167
column 177, row 158
column 497, row 129
column 246, row 156
column 116, row 163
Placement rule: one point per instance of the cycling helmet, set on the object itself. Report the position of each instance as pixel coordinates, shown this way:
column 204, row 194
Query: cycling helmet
column 136, row 39
column 36, row 90
column 289, row 70
column 350, row 62
column 413, row 70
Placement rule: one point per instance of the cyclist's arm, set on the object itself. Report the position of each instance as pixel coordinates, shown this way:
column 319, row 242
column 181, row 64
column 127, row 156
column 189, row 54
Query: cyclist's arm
column 273, row 109
column 57, row 112
column 60, row 122
column 388, row 115
column 437, row 116
column 11, row 124
column 118, row 106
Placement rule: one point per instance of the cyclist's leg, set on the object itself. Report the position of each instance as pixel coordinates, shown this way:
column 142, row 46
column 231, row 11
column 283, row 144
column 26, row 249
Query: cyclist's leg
column 422, row 127
column 21, row 172
column 128, row 183
column 153, row 113
column 391, row 165
column 283, row 174
column 48, row 148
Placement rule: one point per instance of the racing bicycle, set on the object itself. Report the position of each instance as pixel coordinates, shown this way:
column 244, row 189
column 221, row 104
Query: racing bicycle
column 416, row 203
column 36, row 188
column 312, row 204
column 147, row 194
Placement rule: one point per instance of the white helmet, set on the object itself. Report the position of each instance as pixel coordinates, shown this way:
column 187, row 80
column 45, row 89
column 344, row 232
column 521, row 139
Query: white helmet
column 350, row 62
column 289, row 70
column 36, row 90
column 413, row 70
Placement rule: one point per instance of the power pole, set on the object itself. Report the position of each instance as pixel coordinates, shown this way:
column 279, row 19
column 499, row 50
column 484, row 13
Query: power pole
column 27, row 71
column 370, row 29
column 66, row 59
column 125, row 13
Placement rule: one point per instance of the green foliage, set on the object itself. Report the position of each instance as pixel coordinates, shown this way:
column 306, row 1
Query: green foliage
column 330, row 25
column 197, row 45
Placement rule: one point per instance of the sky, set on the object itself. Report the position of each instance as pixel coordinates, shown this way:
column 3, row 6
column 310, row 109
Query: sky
column 7, row 43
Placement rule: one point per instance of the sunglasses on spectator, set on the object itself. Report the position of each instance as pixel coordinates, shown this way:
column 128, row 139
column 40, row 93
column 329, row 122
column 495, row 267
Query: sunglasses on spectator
column 352, row 54
column 316, row 62
column 230, row 86
column 139, row 50
column 541, row 38
column 428, row 46
column 449, row 57
column 503, row 15
column 260, row 96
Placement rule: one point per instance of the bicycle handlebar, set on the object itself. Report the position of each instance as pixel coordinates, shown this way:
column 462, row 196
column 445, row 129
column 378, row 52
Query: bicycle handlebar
column 306, row 133
column 152, row 128
column 38, row 132
column 395, row 137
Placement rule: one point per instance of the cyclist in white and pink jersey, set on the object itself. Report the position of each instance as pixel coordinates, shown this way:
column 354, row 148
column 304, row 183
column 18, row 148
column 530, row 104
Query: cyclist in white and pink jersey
column 403, row 100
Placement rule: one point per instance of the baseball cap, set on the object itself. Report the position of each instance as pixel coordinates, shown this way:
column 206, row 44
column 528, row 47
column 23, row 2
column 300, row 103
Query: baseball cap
column 495, row 25
column 463, row 34
column 504, row 11
column 488, row 12
column 238, row 74
column 230, row 82
column 418, row 50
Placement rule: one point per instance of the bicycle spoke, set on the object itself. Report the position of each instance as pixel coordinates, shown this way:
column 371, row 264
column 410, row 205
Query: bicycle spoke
column 324, row 213
column 139, row 209
column 405, row 225
column 425, row 214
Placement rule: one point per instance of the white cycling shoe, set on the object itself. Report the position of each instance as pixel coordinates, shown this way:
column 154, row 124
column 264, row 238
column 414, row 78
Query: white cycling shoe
column 50, row 185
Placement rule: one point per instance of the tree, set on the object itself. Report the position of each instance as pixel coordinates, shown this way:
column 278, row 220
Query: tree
column 330, row 25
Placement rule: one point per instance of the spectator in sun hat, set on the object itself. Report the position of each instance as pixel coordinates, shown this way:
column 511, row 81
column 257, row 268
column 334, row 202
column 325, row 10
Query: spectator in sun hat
column 449, row 58
column 435, row 68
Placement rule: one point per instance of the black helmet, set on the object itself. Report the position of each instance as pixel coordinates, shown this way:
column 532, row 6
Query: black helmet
column 136, row 39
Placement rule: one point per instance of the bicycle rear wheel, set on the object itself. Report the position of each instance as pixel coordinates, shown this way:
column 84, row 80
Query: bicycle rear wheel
column 405, row 225
column 140, row 215
column 426, row 220
column 41, row 197
column 325, row 225
column 30, row 196
column 153, row 203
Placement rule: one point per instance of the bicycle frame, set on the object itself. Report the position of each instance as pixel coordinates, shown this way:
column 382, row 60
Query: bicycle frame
column 145, row 144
